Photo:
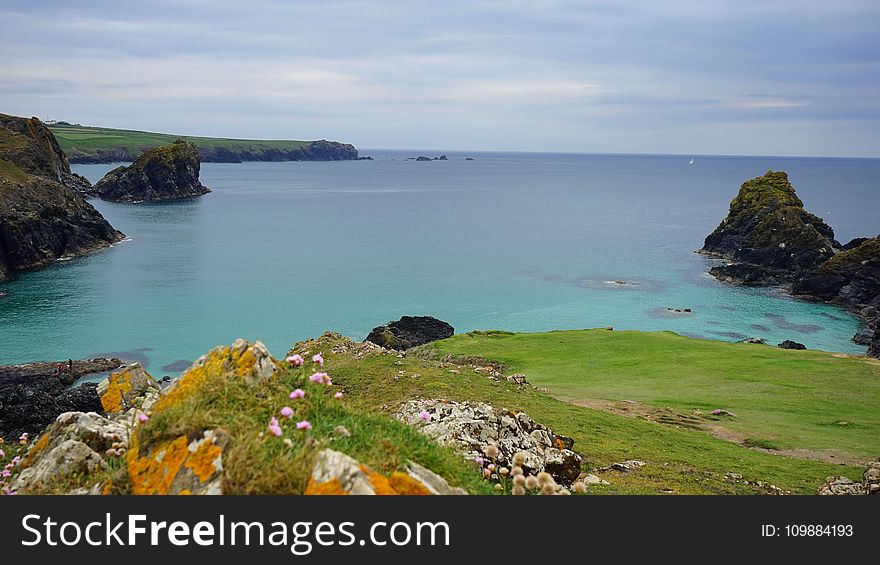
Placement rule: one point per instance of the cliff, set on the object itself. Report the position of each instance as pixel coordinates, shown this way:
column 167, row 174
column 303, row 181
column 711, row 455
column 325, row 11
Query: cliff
column 768, row 235
column 170, row 172
column 43, row 216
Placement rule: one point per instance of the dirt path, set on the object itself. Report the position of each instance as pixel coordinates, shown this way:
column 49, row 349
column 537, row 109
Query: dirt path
column 708, row 423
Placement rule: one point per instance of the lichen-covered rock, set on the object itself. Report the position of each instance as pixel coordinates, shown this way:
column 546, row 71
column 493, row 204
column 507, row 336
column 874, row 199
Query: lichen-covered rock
column 335, row 473
column 76, row 443
column 178, row 466
column 169, row 172
column 473, row 426
column 840, row 486
column 410, row 331
column 768, row 230
column 119, row 391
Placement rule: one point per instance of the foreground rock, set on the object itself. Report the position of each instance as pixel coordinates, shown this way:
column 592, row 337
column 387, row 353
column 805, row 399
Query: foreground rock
column 336, row 473
column 473, row 426
column 768, row 235
column 76, row 443
column 43, row 215
column 33, row 395
column 789, row 344
column 845, row 486
column 410, row 331
column 170, row 172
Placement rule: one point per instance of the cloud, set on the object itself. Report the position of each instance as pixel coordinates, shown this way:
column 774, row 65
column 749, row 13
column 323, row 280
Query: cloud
column 514, row 74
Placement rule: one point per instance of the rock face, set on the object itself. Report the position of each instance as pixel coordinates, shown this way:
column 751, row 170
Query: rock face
column 75, row 443
column 43, row 216
column 170, row 172
column 410, row 331
column 336, row 473
column 32, row 396
column 473, row 426
column 768, row 235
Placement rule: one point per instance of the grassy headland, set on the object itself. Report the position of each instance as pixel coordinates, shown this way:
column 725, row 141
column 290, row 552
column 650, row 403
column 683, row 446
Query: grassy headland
column 87, row 144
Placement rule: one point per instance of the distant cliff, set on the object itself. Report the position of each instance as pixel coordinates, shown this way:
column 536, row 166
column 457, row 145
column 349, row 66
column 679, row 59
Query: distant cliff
column 43, row 216
column 170, row 172
column 85, row 144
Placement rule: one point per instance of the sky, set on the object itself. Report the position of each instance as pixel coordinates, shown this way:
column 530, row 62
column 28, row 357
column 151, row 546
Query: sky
column 743, row 77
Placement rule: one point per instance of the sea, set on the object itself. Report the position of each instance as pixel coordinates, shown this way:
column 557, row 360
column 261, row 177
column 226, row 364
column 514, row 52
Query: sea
column 524, row 242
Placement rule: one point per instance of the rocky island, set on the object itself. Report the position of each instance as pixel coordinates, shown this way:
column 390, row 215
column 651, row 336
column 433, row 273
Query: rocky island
column 768, row 238
column 43, row 215
column 170, row 172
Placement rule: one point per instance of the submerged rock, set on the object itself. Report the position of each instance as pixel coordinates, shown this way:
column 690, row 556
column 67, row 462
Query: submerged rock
column 169, row 172
column 768, row 227
column 410, row 331
column 473, row 426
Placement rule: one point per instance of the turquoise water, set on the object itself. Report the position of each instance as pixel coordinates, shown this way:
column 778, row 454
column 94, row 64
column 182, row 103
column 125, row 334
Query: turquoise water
column 525, row 242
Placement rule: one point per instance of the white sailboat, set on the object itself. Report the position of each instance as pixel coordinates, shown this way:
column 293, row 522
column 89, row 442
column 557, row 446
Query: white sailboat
column 692, row 161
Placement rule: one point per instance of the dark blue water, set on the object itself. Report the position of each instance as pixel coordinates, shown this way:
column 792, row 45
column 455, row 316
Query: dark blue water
column 525, row 242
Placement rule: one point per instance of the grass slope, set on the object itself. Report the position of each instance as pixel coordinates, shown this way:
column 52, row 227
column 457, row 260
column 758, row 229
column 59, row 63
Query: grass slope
column 783, row 399
column 77, row 141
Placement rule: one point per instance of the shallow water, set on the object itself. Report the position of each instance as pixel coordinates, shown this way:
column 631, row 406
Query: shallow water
column 524, row 242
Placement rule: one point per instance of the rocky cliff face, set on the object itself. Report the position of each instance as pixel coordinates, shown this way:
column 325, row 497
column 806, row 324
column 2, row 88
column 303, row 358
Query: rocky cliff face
column 768, row 235
column 770, row 239
column 170, row 172
column 43, row 216
column 30, row 145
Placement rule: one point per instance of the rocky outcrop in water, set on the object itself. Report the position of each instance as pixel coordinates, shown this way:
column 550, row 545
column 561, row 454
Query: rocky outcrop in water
column 33, row 395
column 410, row 331
column 771, row 240
column 170, row 172
column 768, row 236
column 43, row 215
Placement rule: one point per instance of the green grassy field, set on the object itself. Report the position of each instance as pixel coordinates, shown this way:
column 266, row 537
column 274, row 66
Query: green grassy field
column 78, row 141
column 816, row 404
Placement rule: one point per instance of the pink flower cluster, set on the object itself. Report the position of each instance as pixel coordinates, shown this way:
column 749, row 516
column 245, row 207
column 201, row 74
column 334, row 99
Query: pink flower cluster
column 321, row 378
column 296, row 360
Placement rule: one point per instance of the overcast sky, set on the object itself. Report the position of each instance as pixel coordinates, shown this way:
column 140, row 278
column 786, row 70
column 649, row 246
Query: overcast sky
column 742, row 77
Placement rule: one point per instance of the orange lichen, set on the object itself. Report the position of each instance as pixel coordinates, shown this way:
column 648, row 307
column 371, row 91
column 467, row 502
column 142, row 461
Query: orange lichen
column 406, row 485
column 185, row 492
column 113, row 399
column 107, row 487
column 38, row 448
column 328, row 488
column 559, row 443
column 154, row 472
column 380, row 483
column 201, row 461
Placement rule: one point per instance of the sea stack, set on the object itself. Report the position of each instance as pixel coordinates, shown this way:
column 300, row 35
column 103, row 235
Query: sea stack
column 768, row 236
column 170, row 172
column 43, row 215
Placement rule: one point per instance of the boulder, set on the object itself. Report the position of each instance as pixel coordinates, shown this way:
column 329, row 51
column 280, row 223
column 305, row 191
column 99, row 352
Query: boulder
column 410, row 331
column 871, row 478
column 76, row 443
column 874, row 348
column 789, row 344
column 473, row 426
column 169, row 172
column 768, row 227
column 120, row 391
column 840, row 486
column 336, row 473
column 178, row 466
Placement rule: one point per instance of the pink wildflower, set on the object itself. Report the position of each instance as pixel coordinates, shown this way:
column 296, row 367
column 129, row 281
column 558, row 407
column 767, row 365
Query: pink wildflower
column 424, row 415
column 287, row 412
column 3, row 453
column 298, row 393
column 338, row 395
column 304, row 425
column 478, row 460
column 296, row 360
column 142, row 417
column 318, row 359
column 275, row 430
column 321, row 378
